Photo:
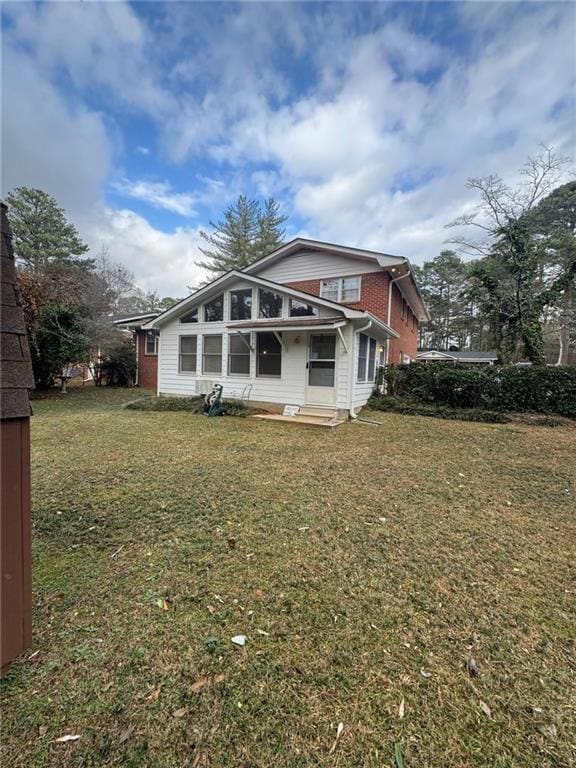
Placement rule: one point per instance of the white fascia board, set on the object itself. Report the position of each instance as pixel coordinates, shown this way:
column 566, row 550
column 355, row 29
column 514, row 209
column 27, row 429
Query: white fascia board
column 220, row 283
column 382, row 328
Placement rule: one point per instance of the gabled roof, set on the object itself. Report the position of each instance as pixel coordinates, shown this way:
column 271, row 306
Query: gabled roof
column 220, row 283
column 399, row 266
column 132, row 319
column 301, row 243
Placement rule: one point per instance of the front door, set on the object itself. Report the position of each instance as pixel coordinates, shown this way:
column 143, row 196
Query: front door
column 321, row 380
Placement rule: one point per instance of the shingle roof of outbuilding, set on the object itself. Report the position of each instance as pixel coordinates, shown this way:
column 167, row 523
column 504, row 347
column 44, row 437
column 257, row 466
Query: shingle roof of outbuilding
column 16, row 376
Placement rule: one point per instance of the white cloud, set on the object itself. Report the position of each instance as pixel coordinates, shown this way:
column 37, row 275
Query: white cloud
column 161, row 261
column 143, row 150
column 158, row 194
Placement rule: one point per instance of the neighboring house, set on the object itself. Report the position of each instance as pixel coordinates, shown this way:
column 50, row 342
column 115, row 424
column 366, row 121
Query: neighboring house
column 475, row 358
column 309, row 324
column 146, row 343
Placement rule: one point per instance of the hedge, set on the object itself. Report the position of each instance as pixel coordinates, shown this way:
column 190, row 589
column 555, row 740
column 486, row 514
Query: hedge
column 411, row 408
column 506, row 388
column 191, row 404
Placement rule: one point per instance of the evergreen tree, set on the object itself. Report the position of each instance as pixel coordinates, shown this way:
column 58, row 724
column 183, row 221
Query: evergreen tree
column 42, row 235
column 245, row 233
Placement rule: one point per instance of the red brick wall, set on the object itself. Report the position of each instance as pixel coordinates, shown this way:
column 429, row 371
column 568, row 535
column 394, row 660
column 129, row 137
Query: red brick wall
column 147, row 364
column 374, row 299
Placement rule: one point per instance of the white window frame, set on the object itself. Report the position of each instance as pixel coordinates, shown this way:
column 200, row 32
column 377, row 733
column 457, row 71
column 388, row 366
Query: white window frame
column 246, row 340
column 257, row 356
column 371, row 351
column 341, row 288
column 242, row 319
column 187, row 354
column 259, row 316
column 148, row 334
column 211, row 301
column 212, row 354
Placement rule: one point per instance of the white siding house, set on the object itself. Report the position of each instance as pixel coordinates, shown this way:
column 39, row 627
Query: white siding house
column 270, row 344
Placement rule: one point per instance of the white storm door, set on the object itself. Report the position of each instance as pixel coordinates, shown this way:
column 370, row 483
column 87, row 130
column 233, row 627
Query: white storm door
column 321, row 373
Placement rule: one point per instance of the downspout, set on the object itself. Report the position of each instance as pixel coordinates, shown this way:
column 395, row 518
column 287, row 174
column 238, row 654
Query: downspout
column 392, row 282
column 353, row 415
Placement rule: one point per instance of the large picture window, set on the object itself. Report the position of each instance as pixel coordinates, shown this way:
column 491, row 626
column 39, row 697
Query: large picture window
column 212, row 354
column 268, row 355
column 270, row 303
column 214, row 310
column 188, row 354
column 151, row 343
column 344, row 289
column 241, row 304
column 301, row 309
column 239, row 354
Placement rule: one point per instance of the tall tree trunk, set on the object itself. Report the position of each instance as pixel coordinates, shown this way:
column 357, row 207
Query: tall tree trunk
column 566, row 315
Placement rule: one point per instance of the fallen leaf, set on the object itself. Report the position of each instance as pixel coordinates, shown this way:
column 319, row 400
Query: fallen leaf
column 68, row 737
column 339, row 730
column 180, row 712
column 262, row 632
column 548, row 730
column 401, row 710
column 486, row 709
column 258, row 593
column 304, row 528
column 154, row 694
column 200, row 683
column 210, row 608
column 42, row 730
column 219, row 678
column 424, row 673
column 239, row 640
column 161, row 603
column 125, row 735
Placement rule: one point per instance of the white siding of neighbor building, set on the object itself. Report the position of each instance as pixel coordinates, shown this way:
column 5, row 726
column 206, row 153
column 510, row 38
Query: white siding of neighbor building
column 314, row 265
column 289, row 388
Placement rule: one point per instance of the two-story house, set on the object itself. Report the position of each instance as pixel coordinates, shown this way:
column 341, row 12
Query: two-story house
column 307, row 325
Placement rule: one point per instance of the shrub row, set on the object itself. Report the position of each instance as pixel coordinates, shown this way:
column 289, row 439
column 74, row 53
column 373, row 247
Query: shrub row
column 543, row 390
column 190, row 404
column 412, row 408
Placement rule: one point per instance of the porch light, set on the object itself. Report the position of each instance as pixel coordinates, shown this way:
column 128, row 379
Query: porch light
column 380, row 349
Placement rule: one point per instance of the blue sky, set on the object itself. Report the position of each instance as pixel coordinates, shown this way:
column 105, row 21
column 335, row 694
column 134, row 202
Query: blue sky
column 364, row 120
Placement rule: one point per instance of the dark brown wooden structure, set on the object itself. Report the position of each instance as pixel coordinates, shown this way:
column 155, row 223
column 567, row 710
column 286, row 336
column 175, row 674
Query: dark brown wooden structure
column 15, row 381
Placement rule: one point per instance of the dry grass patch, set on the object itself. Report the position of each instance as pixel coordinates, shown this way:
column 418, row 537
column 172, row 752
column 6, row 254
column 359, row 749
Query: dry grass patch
column 364, row 564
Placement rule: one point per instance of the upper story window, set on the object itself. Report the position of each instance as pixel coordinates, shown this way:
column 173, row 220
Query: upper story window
column 214, row 310
column 342, row 289
column 151, row 343
column 241, row 304
column 191, row 317
column 301, row 309
column 270, row 303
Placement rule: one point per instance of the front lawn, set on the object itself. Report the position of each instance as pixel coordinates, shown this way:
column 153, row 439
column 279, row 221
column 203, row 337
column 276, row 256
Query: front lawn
column 365, row 565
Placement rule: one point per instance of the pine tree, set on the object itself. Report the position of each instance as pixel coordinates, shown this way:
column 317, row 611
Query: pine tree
column 245, row 233
column 42, row 235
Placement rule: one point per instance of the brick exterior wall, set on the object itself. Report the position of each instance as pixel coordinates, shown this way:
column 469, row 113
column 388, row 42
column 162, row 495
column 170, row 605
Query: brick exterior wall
column 374, row 299
column 147, row 364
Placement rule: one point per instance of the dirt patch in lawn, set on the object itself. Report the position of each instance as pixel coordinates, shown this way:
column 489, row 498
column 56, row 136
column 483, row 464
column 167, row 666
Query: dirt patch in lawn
column 366, row 566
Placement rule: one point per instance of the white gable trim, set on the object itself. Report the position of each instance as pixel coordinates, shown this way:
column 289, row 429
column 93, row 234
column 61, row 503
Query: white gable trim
column 230, row 277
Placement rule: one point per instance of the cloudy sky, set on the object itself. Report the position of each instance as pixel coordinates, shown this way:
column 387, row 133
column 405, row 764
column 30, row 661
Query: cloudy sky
column 364, row 120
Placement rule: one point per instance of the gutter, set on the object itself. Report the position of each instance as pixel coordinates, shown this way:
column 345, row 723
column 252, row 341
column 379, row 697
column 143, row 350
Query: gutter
column 353, row 415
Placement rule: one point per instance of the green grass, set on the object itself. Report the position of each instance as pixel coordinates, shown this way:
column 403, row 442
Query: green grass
column 159, row 536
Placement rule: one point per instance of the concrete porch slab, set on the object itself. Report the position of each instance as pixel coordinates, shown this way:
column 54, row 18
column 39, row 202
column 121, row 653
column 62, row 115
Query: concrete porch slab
column 310, row 421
